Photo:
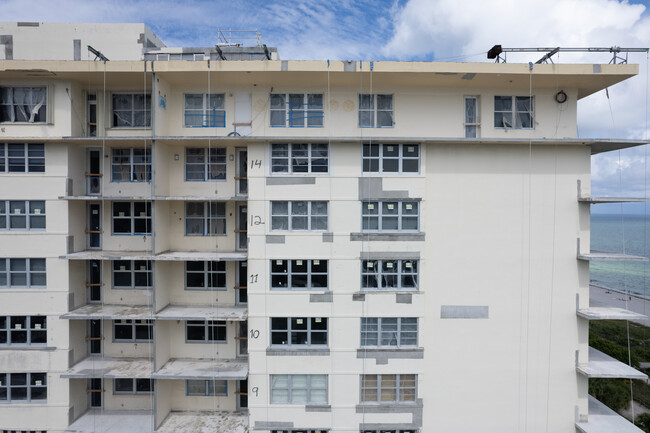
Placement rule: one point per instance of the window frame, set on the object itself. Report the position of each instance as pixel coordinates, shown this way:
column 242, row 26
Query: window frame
column 514, row 112
column 217, row 120
column 209, row 391
column 132, row 218
column 290, row 215
column 291, row 121
column 380, row 216
column 132, row 110
column 133, row 324
column 7, row 327
column 390, row 431
column 208, row 274
column 291, row 389
column 33, row 158
column 374, row 110
column 287, row 158
column 207, row 220
column 206, row 324
column 380, row 159
column 30, row 384
column 131, row 165
column 8, row 273
column 467, row 123
column 292, row 274
column 365, row 336
column 291, row 332
column 399, row 275
column 134, row 386
column 42, row 105
column 28, row 213
column 133, row 270
column 399, row 388
column 220, row 155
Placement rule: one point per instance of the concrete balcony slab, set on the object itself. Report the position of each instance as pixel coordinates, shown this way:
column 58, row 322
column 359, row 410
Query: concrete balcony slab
column 105, row 311
column 205, row 422
column 601, row 365
column 107, row 421
column 192, row 312
column 610, row 313
column 110, row 368
column 189, row 369
column 602, row 419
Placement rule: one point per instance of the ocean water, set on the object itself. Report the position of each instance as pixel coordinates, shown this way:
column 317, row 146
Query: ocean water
column 628, row 234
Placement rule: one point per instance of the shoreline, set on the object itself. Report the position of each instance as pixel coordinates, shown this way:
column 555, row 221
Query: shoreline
column 605, row 297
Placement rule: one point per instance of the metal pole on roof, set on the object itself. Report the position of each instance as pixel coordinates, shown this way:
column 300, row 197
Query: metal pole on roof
column 496, row 51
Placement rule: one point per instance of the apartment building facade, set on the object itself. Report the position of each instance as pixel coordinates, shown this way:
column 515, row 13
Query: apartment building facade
column 208, row 244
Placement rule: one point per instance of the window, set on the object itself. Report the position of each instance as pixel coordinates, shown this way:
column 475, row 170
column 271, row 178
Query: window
column 296, row 431
column 23, row 387
column 23, row 104
column 388, row 388
column 299, row 158
column 205, row 218
column 133, row 331
column 19, row 330
column 131, row 165
column 389, row 216
column 131, row 110
column 132, row 274
column 205, row 388
column 132, row 218
column 132, row 386
column 297, row 110
column 205, row 110
column 22, row 273
column 299, row 215
column 205, row 275
column 22, row 215
column 389, row 331
column 299, row 388
column 299, row 331
column 391, row 158
column 22, row 158
column 199, row 331
column 205, row 164
column 389, row 431
column 299, row 274
column 471, row 117
column 389, row 274
column 375, row 110
column 513, row 112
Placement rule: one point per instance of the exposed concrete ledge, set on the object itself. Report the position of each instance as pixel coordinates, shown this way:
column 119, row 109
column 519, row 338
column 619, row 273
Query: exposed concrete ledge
column 272, row 425
column 318, row 408
column 328, row 237
column 274, row 239
column 388, row 255
column 382, row 355
column 403, row 298
column 464, row 312
column 290, row 180
column 414, row 408
column 386, row 237
column 359, row 297
column 273, row 351
column 321, row 297
column 371, row 188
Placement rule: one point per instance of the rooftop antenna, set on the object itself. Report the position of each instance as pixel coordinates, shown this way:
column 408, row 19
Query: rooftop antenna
column 496, row 52
column 98, row 54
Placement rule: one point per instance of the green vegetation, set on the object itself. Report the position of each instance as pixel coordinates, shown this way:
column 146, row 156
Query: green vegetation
column 614, row 393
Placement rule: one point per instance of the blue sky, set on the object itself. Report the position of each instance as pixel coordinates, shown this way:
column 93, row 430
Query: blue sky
column 429, row 30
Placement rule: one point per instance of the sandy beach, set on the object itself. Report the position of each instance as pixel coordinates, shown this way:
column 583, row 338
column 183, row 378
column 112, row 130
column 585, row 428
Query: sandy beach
column 602, row 297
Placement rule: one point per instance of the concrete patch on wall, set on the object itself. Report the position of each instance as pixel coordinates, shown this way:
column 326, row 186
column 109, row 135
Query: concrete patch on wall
column 272, row 425
column 415, row 409
column 284, row 65
column 387, row 237
column 403, row 298
column 382, row 356
column 349, row 66
column 8, row 42
column 371, row 188
column 396, row 255
column 270, row 351
column 328, row 237
column 274, row 239
column 321, row 297
column 290, row 180
column 464, row 312
column 76, row 48
column 359, row 297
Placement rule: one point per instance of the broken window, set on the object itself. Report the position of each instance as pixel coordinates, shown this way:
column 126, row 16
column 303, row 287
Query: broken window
column 391, row 158
column 513, row 112
column 298, row 331
column 131, row 165
column 389, row 274
column 299, row 274
column 23, row 104
column 299, row 158
column 205, row 164
column 389, row 331
column 205, row 218
column 471, row 117
column 131, row 110
column 375, row 111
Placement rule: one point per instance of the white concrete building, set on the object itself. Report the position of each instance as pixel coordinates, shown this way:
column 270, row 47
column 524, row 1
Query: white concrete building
column 213, row 244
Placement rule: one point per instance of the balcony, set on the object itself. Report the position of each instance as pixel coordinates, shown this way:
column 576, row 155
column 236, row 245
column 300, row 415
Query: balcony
column 601, row 365
column 123, row 421
column 602, row 419
column 110, row 368
column 190, row 369
column 204, row 422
